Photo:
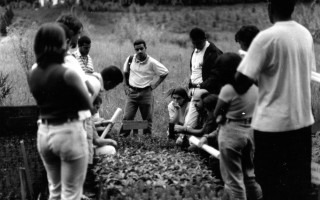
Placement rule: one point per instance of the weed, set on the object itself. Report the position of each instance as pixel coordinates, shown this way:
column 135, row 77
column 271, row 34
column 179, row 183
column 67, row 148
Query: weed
column 5, row 87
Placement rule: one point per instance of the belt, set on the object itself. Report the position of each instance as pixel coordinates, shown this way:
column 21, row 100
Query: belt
column 58, row 121
column 192, row 85
column 243, row 121
column 139, row 89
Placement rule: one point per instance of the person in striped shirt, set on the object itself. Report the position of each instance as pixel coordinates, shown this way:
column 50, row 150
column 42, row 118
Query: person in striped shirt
column 82, row 54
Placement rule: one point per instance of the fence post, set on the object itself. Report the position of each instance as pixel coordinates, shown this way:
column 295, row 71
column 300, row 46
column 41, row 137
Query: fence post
column 27, row 169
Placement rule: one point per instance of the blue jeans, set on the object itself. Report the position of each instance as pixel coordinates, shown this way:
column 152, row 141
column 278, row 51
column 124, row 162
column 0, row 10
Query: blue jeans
column 64, row 152
column 142, row 99
column 236, row 147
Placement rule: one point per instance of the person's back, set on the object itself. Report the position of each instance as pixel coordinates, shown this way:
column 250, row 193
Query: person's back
column 241, row 107
column 281, row 59
column 284, row 82
column 53, row 95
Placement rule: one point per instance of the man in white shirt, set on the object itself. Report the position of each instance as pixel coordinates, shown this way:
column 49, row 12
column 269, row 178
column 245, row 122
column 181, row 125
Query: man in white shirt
column 204, row 74
column 280, row 59
column 140, row 70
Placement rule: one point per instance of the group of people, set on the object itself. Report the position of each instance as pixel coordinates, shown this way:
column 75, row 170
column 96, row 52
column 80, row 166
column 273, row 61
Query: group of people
column 253, row 105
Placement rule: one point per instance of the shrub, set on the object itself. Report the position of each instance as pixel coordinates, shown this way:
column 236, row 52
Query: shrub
column 24, row 4
column 3, row 25
column 5, row 87
column 23, row 45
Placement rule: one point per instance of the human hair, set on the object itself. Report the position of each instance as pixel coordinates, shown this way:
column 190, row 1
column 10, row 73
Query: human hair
column 228, row 63
column 209, row 101
column 84, row 40
column 48, row 45
column 246, row 34
column 67, row 31
column 283, row 8
column 197, row 34
column 181, row 92
column 139, row 41
column 113, row 74
column 97, row 100
column 71, row 22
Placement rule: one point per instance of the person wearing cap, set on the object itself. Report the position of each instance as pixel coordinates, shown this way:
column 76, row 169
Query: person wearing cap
column 204, row 74
column 281, row 59
column 140, row 70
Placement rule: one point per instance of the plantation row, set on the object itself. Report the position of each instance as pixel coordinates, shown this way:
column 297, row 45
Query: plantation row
column 143, row 2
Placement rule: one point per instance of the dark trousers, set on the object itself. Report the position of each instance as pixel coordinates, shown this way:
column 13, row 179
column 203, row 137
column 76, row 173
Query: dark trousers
column 142, row 100
column 283, row 164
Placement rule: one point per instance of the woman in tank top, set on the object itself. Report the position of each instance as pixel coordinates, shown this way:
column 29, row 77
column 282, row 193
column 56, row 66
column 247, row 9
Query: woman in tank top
column 64, row 103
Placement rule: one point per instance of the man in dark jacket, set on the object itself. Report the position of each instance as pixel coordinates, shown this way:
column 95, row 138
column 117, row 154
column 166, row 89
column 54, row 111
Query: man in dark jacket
column 204, row 74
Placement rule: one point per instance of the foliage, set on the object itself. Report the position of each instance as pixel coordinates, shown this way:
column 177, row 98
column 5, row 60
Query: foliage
column 153, row 168
column 5, row 87
column 6, row 20
column 23, row 46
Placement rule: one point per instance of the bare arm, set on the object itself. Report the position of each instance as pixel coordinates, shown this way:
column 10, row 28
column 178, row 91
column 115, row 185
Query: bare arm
column 72, row 79
column 159, row 81
column 243, row 83
column 101, row 141
column 220, row 111
column 188, row 130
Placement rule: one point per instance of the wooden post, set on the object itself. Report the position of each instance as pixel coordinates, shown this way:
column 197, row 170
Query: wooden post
column 23, row 183
column 27, row 169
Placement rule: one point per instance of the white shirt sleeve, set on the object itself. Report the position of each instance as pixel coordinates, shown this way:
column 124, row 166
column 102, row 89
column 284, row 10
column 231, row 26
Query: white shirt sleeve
column 227, row 93
column 125, row 65
column 313, row 60
column 171, row 110
column 254, row 60
column 158, row 67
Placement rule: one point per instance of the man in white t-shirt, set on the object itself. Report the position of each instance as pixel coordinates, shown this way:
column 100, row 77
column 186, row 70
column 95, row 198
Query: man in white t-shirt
column 140, row 70
column 280, row 59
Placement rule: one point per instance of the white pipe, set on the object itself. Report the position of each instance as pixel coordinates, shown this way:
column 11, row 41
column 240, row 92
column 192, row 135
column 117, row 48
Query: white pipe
column 205, row 147
column 113, row 119
column 315, row 77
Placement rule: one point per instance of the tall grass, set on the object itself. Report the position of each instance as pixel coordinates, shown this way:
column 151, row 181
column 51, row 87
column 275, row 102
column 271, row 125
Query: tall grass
column 166, row 35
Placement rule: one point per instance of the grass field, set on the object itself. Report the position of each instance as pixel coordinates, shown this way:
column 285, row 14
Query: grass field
column 165, row 30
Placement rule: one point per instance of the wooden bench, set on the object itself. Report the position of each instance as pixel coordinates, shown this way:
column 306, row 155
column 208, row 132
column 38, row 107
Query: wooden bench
column 134, row 125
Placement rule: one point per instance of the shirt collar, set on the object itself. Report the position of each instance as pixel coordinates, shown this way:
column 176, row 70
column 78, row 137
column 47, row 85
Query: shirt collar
column 142, row 62
column 203, row 49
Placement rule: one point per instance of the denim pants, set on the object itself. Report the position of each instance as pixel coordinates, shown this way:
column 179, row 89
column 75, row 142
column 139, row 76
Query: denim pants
column 236, row 147
column 283, row 164
column 64, row 153
column 142, row 99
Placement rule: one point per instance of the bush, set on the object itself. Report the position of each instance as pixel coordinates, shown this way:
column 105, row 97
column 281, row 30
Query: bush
column 23, row 45
column 5, row 87
column 3, row 25
column 24, row 4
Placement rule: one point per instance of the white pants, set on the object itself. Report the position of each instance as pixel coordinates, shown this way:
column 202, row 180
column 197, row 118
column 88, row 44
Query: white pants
column 64, row 152
column 192, row 115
